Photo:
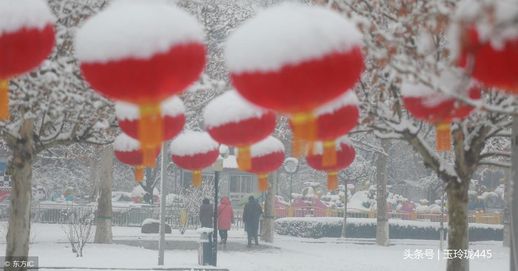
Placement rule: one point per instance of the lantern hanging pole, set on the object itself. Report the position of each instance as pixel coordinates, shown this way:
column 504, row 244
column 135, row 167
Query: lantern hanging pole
column 161, row 241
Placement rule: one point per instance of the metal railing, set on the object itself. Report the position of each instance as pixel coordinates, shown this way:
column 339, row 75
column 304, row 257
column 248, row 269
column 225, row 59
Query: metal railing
column 179, row 218
column 132, row 216
column 476, row 217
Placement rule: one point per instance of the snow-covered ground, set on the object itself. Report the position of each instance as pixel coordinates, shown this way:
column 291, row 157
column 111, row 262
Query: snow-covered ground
column 287, row 253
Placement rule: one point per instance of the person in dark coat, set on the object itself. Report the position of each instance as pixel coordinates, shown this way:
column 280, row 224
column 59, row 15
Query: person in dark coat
column 206, row 214
column 251, row 215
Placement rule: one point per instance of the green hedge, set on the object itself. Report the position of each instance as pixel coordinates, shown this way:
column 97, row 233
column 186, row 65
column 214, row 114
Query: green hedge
column 319, row 227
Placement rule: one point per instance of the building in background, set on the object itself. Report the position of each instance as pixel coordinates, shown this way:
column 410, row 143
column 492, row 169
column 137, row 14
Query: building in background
column 233, row 183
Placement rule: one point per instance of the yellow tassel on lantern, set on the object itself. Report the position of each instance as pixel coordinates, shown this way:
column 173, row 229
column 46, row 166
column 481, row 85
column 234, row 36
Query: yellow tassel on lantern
column 443, row 136
column 151, row 132
column 263, row 182
column 329, row 154
column 332, row 181
column 149, row 155
column 4, row 100
column 139, row 173
column 244, row 158
column 298, row 147
column 304, row 126
column 196, row 178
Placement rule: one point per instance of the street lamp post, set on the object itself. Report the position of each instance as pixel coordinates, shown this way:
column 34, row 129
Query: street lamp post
column 215, row 223
column 161, row 241
column 217, row 167
column 291, row 166
column 344, row 226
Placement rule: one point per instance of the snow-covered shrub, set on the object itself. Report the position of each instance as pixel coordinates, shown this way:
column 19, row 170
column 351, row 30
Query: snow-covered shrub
column 319, row 227
column 78, row 229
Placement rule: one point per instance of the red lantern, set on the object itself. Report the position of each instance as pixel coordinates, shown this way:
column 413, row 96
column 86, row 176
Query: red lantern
column 127, row 150
column 334, row 120
column 345, row 154
column 173, row 120
column 490, row 55
column 151, row 51
column 26, row 39
column 438, row 109
column 233, row 121
column 194, row 151
column 295, row 65
column 266, row 156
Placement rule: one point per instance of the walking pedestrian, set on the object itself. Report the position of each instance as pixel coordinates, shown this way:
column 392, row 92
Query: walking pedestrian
column 251, row 215
column 225, row 219
column 206, row 214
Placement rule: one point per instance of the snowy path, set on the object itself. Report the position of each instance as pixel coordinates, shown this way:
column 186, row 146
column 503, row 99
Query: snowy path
column 290, row 254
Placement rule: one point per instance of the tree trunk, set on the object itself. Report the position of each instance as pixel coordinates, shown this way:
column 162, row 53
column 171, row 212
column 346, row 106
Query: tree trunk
column 344, row 225
column 268, row 217
column 457, row 223
column 103, row 229
column 382, row 226
column 20, row 214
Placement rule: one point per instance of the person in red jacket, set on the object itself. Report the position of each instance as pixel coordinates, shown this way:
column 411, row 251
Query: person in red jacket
column 225, row 219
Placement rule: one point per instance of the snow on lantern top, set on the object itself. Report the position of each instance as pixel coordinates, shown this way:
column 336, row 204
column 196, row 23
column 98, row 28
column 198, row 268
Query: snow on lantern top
column 448, row 82
column 318, row 149
column 229, row 107
column 124, row 143
column 484, row 40
column 425, row 103
column 190, row 143
column 495, row 29
column 267, row 41
column 267, row 146
column 171, row 107
column 135, row 29
column 29, row 14
column 346, row 99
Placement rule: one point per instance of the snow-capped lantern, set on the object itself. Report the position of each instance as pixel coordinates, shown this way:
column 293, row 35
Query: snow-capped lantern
column 128, row 151
column 172, row 116
column 438, row 109
column 26, row 39
column 266, row 156
column 141, row 52
column 284, row 61
column 233, row 121
column 334, row 120
column 194, row 151
column 345, row 154
column 485, row 42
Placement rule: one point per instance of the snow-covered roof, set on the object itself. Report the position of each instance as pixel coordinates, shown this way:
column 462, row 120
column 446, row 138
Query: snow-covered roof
column 266, row 146
column 136, row 29
column 229, row 107
column 349, row 98
column 125, row 143
column 15, row 15
column 192, row 142
column 171, row 107
column 288, row 33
